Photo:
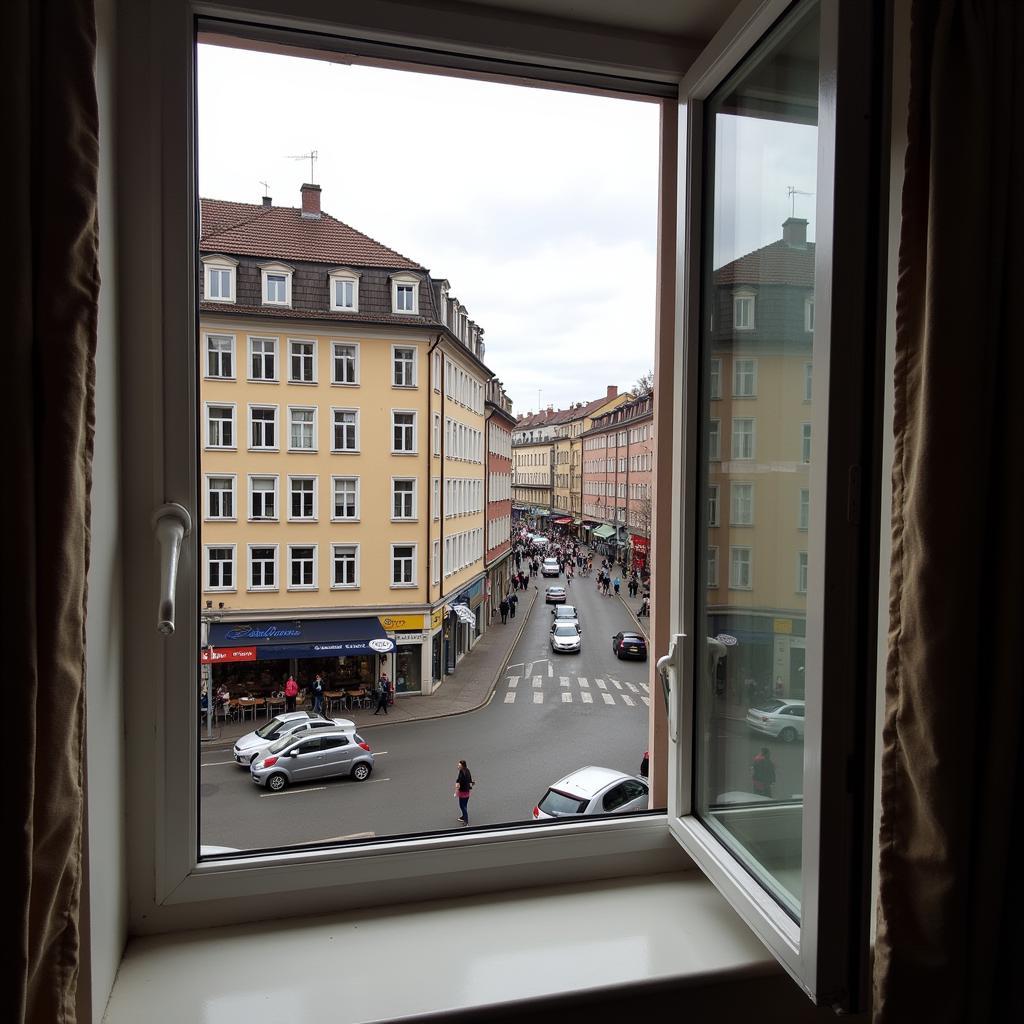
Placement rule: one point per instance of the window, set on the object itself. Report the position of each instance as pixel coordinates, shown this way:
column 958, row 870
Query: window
column 220, row 355
column 437, row 433
column 302, row 362
column 801, row 572
column 403, row 499
column 262, row 567
column 712, row 567
column 742, row 505
column 220, row 426
column 437, row 370
column 220, row 567
column 263, row 497
column 804, row 515
column 405, row 290
column 346, row 566
column 301, row 429
column 302, row 567
column 403, row 367
column 219, row 276
column 435, row 563
column 805, row 442
column 714, row 440
column 277, row 284
column 345, row 428
column 346, row 363
column 344, row 289
column 346, row 498
column 743, row 313
column 743, row 438
column 403, row 432
column 403, row 298
column 808, row 380
column 403, row 565
column 263, row 359
column 220, row 497
column 809, row 315
column 744, row 378
column 436, row 503
column 739, row 568
column 263, row 426
column 302, row 497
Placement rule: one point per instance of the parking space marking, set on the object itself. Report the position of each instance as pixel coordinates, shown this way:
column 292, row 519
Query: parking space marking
column 632, row 687
column 567, row 697
column 293, row 792
column 513, row 682
column 600, row 684
column 510, row 698
column 616, row 684
column 564, row 680
column 536, row 682
column 551, row 671
column 529, row 669
column 538, row 697
column 627, row 700
column 588, row 698
column 211, row 764
column 645, row 688
column 608, row 698
column 583, row 682
column 646, row 700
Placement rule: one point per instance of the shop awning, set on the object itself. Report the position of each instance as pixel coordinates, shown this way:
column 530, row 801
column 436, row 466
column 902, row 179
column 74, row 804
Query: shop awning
column 304, row 638
column 564, row 521
column 541, row 512
column 464, row 614
column 604, row 532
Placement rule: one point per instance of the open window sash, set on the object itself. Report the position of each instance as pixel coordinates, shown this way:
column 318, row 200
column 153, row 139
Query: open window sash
column 783, row 96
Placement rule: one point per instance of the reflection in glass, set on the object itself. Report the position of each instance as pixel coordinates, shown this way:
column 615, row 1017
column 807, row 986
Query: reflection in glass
column 757, row 337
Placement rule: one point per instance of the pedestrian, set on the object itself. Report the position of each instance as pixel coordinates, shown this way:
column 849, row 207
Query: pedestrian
column 513, row 600
column 503, row 607
column 762, row 772
column 617, row 584
column 383, row 693
column 463, row 787
column 318, row 695
column 645, row 608
column 291, row 691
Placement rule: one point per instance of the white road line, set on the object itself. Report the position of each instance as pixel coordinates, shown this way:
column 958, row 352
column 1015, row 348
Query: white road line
column 529, row 669
column 210, row 764
column 616, row 684
column 608, row 698
column 564, row 680
column 600, row 684
column 645, row 688
column 510, row 698
column 538, row 698
column 376, row 780
column 632, row 687
column 588, row 698
column 379, row 753
column 551, row 671
column 513, row 682
column 292, row 792
column 342, row 839
column 628, row 701
column 583, row 682
column 567, row 697
column 536, row 681
column 646, row 700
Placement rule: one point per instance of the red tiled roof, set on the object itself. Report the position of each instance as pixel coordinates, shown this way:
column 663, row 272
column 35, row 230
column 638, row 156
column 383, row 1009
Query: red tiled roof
column 549, row 416
column 282, row 233
column 777, row 263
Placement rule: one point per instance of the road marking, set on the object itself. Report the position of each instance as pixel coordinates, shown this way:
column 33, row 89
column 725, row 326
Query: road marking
column 583, row 682
column 632, row 687
column 513, row 682
column 536, row 681
column 210, row 764
column 588, row 698
column 600, row 684
column 616, row 684
column 627, row 700
column 646, row 700
column 608, row 698
column 564, row 680
column 538, row 698
column 375, row 780
column 379, row 753
column 510, row 698
column 567, row 697
column 645, row 688
column 291, row 792
column 529, row 669
column 340, row 839
column 551, row 671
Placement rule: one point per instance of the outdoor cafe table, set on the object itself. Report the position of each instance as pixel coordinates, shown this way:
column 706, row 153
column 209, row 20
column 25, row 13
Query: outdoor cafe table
column 248, row 704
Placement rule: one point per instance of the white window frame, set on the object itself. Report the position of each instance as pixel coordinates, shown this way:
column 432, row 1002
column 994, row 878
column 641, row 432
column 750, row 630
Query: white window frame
column 207, row 407
column 219, row 263
column 740, row 300
column 803, row 509
column 809, row 314
column 220, row 589
column 437, row 433
column 436, row 499
column 335, row 480
column 808, row 381
column 334, row 561
column 276, row 354
column 233, row 491
column 349, row 276
column 250, row 446
column 714, row 440
column 313, row 448
column 801, row 572
column 734, row 550
column 805, row 444
column 413, row 583
column 316, row 347
column 276, row 517
column 355, row 434
column 208, row 336
column 734, row 435
column 435, row 562
column 337, row 343
column 315, row 585
column 268, row 270
column 414, row 427
column 712, row 560
column 413, row 515
column 412, row 364
column 734, row 501
column 739, row 377
column 405, row 280
column 292, row 479
column 262, row 588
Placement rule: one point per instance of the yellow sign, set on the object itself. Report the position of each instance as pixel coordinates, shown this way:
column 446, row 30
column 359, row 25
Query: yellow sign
column 393, row 622
column 437, row 617
column 782, row 626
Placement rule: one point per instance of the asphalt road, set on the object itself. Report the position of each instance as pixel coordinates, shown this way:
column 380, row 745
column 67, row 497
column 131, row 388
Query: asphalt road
column 549, row 714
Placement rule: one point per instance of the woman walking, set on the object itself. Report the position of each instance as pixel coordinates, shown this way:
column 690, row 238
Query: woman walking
column 463, row 786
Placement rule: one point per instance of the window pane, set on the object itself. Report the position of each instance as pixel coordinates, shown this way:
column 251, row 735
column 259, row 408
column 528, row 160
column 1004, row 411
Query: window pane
column 758, row 256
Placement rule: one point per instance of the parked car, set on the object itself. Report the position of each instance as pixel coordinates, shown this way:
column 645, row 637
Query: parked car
column 565, row 638
column 564, row 613
column 629, row 645
column 592, row 790
column 554, row 595
column 252, row 744
column 324, row 755
column 549, row 567
column 779, row 717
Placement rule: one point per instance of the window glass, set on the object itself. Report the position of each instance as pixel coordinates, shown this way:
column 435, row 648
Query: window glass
column 758, row 254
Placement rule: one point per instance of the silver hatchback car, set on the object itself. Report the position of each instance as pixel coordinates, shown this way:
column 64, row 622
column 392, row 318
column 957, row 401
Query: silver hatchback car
column 323, row 755
column 593, row 791
column 248, row 747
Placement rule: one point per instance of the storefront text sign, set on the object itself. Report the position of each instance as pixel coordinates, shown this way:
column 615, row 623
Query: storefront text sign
column 437, row 618
column 214, row 656
column 395, row 622
column 782, row 626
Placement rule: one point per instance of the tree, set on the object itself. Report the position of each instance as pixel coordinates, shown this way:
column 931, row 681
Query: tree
column 644, row 384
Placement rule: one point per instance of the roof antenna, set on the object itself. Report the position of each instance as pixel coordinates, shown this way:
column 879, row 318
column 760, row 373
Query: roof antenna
column 311, row 156
column 792, row 191
column 266, row 189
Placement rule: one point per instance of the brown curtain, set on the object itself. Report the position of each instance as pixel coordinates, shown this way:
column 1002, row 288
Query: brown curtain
column 50, row 113
column 949, row 939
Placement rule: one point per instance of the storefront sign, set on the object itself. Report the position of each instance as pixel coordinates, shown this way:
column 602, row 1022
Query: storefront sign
column 436, row 618
column 782, row 625
column 394, row 622
column 270, row 632
column 304, row 638
column 409, row 638
column 216, row 655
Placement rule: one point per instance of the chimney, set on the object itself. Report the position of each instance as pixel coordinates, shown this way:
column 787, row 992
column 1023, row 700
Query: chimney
column 613, row 391
column 266, row 202
column 794, row 231
column 311, row 201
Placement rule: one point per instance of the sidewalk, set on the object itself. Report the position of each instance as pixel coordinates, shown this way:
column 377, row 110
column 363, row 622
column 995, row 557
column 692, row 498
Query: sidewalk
column 633, row 606
column 466, row 689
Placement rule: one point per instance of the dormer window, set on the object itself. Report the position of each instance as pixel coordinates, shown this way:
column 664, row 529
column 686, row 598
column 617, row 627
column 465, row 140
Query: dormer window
column 743, row 311
column 277, row 284
column 344, row 285
column 219, row 284
column 405, row 293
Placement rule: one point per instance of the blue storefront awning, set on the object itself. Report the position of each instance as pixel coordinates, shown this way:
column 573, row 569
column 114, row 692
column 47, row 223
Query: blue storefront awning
column 304, row 638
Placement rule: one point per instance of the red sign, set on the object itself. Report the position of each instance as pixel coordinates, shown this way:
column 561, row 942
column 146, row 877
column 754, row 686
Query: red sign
column 212, row 656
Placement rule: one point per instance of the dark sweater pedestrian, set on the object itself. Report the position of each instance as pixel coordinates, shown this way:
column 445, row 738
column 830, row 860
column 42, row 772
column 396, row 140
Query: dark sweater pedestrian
column 503, row 608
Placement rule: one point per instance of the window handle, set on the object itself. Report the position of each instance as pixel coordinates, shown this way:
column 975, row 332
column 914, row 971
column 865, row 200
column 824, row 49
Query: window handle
column 171, row 524
column 668, row 672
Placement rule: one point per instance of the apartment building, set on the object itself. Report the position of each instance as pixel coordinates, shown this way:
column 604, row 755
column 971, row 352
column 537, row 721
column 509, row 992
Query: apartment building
column 500, row 423
column 343, row 454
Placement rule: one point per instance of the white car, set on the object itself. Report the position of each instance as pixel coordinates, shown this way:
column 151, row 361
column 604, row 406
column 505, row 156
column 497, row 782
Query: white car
column 779, row 717
column 593, row 791
column 565, row 638
column 252, row 744
column 549, row 567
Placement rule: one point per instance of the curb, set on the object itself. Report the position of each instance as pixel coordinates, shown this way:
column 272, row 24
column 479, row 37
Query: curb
column 633, row 615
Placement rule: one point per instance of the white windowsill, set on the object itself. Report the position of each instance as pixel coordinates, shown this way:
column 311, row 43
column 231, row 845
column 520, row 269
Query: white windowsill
column 557, row 941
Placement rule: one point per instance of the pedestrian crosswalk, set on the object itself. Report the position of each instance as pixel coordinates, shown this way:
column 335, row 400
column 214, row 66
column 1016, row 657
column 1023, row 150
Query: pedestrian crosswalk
column 550, row 689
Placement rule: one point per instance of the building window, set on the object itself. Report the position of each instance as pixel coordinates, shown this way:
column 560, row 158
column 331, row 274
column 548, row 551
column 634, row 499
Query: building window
column 403, row 499
column 403, row 565
column 435, row 567
column 302, row 497
column 277, row 284
column 808, row 380
column 263, row 427
column 714, row 440
column 712, row 504
column 220, row 426
column 405, row 294
column 262, row 568
column 436, row 507
column 220, row 497
column 742, row 505
column 801, row 572
column 437, row 372
column 220, row 279
column 743, row 438
column 403, row 432
column 437, row 433
column 809, row 315
column 805, row 442
column 263, row 359
column 712, row 567
column 344, row 289
column 346, row 497
column 345, row 430
column 403, row 298
column 263, row 497
column 301, row 430
column 739, row 568
column 302, row 362
column 346, row 364
column 804, row 517
column 302, row 567
column 346, row 565
column 220, row 567
column 220, row 355
column 744, row 378
column 403, row 367
column 743, row 312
